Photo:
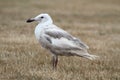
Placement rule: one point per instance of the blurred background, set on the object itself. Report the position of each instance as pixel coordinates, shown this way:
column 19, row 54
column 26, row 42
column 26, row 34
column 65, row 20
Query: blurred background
column 96, row 22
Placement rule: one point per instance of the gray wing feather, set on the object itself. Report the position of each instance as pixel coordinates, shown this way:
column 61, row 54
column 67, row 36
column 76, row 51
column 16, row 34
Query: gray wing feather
column 62, row 33
column 57, row 34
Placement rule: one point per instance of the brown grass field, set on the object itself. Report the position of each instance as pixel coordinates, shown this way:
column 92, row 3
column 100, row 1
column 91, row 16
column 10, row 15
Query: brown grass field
column 96, row 22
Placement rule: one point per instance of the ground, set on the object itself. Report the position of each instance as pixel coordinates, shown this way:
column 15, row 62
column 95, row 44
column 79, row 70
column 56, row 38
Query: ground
column 96, row 22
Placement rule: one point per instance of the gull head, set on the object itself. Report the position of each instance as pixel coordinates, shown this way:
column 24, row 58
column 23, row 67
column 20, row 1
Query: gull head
column 41, row 18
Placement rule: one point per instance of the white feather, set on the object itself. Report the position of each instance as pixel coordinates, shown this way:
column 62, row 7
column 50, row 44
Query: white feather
column 62, row 42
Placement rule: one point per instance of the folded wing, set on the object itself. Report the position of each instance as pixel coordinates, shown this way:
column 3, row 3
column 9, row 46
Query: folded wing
column 61, row 38
column 63, row 43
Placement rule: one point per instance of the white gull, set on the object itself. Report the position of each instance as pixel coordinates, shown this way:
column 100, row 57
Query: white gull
column 58, row 41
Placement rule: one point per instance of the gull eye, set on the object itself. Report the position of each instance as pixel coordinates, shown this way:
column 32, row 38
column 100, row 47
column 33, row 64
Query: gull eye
column 42, row 17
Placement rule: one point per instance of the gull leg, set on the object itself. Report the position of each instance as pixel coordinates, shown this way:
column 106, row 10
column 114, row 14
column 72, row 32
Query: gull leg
column 55, row 61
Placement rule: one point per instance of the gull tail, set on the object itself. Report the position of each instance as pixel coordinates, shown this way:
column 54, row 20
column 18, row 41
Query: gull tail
column 91, row 57
column 85, row 54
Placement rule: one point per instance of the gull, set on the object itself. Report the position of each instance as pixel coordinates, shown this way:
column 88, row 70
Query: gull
column 58, row 41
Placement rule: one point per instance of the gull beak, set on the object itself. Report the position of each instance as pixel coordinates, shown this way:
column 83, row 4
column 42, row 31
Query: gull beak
column 30, row 20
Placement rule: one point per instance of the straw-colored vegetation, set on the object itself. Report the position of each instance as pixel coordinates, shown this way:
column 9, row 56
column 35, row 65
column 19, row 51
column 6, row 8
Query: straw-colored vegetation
column 96, row 22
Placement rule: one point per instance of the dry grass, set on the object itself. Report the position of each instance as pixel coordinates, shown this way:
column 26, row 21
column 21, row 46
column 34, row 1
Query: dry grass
column 96, row 22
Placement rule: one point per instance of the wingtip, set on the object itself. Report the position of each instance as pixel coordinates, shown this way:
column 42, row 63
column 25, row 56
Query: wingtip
column 92, row 57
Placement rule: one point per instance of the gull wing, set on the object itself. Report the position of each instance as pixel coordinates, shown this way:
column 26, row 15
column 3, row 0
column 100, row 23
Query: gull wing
column 61, row 38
